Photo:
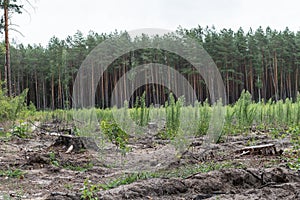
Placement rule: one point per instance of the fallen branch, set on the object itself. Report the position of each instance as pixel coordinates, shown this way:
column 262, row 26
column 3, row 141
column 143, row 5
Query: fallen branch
column 267, row 184
column 243, row 153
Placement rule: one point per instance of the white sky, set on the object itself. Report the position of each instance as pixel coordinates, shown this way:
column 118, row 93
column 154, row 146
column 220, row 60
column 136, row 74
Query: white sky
column 64, row 17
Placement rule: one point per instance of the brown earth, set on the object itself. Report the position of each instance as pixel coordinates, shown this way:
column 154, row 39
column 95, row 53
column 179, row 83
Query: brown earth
column 53, row 173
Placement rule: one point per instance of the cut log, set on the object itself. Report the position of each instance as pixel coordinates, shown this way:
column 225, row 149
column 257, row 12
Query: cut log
column 265, row 149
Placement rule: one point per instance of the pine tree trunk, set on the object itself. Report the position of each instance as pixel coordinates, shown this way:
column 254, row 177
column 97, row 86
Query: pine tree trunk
column 281, row 85
column 14, row 91
column 276, row 76
column 158, row 88
column 124, row 80
column 52, row 92
column 103, row 90
column 296, row 81
column 106, row 88
column 7, row 50
column 92, row 84
column 59, row 91
column 251, row 80
column 18, row 82
column 44, row 95
column 289, row 85
column 37, row 101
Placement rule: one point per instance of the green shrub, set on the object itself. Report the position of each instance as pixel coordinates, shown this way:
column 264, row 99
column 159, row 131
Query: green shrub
column 17, row 173
column 116, row 135
column 173, row 115
column 12, row 107
column 140, row 112
column 21, row 130
column 204, row 117
column 89, row 190
column 245, row 110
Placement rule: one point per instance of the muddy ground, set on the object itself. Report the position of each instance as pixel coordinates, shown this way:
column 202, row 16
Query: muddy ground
column 54, row 171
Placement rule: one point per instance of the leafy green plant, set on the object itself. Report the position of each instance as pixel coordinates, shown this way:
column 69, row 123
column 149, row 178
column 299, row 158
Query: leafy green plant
column 294, row 163
column 295, row 136
column 89, row 190
column 292, row 156
column 17, row 173
column 116, row 135
column 21, row 130
column 53, row 159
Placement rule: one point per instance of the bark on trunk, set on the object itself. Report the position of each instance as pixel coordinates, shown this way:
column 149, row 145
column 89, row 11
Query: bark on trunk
column 7, row 72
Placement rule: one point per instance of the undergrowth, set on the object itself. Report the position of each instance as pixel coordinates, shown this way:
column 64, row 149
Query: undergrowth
column 16, row 173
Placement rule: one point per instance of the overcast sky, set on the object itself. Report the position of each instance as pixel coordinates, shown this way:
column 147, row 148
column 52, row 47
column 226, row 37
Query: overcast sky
column 64, row 17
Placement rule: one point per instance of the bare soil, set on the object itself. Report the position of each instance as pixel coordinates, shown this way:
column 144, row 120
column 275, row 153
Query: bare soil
column 51, row 172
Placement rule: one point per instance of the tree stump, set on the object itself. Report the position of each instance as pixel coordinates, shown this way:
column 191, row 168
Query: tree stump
column 76, row 143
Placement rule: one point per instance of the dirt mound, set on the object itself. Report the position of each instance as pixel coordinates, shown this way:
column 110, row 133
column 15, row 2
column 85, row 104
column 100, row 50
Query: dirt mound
column 273, row 183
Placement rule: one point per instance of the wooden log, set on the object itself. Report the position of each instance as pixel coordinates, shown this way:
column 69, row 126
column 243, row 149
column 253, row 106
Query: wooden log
column 265, row 149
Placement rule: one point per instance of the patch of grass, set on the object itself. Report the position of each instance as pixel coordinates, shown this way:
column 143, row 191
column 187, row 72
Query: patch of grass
column 17, row 173
column 252, row 141
column 277, row 133
column 5, row 136
column 2, row 133
column 70, row 166
column 127, row 179
column 295, row 136
column 166, row 134
column 292, row 156
column 294, row 163
column 79, row 168
column 181, row 172
column 68, row 186
column 6, row 197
